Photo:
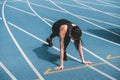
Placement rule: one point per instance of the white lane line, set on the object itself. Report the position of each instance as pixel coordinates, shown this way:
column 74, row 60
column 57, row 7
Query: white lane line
column 83, row 19
column 44, row 6
column 7, row 71
column 57, row 48
column 37, row 38
column 69, row 5
column 101, row 38
column 17, row 44
column 47, row 7
column 106, row 3
column 36, row 13
column 105, row 74
column 100, row 21
column 91, row 35
column 17, row 0
column 97, row 9
column 97, row 4
column 112, row 24
column 21, row 10
column 78, row 15
column 75, row 16
column 87, row 8
column 111, row 1
column 97, row 55
column 115, row 67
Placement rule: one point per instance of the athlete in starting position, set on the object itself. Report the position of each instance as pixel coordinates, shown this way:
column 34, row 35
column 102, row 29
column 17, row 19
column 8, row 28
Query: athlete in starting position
column 66, row 30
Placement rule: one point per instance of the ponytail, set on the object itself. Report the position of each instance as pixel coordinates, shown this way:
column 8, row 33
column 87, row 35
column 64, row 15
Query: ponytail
column 77, row 43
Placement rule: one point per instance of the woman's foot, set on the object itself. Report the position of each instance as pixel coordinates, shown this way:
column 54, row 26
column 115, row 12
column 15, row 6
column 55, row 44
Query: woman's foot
column 49, row 41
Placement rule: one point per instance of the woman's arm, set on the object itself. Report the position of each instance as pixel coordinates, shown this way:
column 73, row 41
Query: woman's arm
column 82, row 55
column 62, row 34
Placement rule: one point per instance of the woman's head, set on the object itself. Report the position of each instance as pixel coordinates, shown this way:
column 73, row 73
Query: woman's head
column 75, row 33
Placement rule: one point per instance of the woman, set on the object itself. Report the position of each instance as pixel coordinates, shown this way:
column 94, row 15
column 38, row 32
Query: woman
column 66, row 30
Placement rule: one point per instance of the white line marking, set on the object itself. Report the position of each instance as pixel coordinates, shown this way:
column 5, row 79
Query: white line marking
column 108, row 3
column 101, row 38
column 21, row 10
column 112, row 1
column 98, row 56
column 83, row 19
column 61, row 12
column 88, row 34
column 57, row 48
column 88, row 8
column 98, row 4
column 115, row 67
column 37, row 38
column 18, row 46
column 71, row 5
column 100, row 21
column 46, row 7
column 84, row 48
column 7, row 71
column 107, row 13
column 68, row 5
column 103, row 73
column 91, row 35
column 17, row 0
column 78, row 15
column 36, row 13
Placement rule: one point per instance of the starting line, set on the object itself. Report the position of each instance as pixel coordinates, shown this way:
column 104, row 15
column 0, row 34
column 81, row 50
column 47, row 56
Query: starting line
column 50, row 71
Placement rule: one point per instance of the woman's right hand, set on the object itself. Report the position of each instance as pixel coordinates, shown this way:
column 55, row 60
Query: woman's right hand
column 59, row 68
column 87, row 62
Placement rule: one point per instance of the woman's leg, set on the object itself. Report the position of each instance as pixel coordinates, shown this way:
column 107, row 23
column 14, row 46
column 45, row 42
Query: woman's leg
column 66, row 42
column 49, row 39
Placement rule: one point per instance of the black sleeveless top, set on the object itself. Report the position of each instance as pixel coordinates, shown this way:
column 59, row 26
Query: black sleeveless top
column 56, row 26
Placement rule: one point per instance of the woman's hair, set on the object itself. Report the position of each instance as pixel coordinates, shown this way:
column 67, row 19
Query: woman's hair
column 76, row 34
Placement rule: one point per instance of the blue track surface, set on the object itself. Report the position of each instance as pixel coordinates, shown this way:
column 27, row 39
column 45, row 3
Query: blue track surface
column 25, row 25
